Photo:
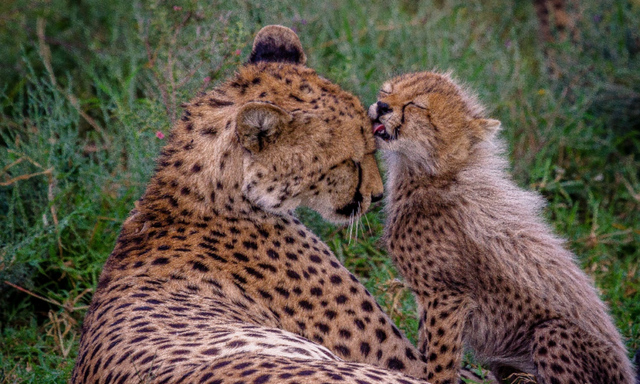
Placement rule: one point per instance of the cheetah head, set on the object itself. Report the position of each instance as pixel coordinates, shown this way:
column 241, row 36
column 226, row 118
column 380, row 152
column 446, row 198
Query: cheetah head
column 428, row 119
column 306, row 141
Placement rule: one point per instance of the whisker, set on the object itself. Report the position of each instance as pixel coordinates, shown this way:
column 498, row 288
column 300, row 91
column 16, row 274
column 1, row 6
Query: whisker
column 350, row 227
column 370, row 230
column 359, row 219
column 353, row 223
column 356, row 220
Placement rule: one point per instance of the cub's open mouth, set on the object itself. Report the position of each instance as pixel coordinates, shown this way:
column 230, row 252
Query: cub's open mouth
column 380, row 131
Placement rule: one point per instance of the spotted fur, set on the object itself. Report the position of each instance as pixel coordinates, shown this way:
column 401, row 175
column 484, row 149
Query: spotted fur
column 487, row 271
column 213, row 279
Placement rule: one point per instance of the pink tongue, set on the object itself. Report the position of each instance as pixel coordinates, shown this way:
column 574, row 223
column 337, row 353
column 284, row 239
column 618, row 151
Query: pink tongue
column 378, row 127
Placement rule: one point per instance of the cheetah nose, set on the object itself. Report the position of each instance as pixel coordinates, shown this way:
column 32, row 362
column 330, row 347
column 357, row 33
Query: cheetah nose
column 375, row 198
column 383, row 108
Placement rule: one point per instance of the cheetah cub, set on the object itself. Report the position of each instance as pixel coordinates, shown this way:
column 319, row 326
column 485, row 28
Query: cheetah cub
column 486, row 269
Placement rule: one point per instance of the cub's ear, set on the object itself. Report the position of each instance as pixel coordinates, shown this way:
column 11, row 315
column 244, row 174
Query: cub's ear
column 277, row 44
column 484, row 129
column 259, row 124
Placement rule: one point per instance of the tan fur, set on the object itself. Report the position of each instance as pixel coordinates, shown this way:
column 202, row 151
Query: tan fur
column 486, row 269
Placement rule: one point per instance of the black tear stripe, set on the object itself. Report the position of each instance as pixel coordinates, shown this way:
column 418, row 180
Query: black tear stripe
column 354, row 205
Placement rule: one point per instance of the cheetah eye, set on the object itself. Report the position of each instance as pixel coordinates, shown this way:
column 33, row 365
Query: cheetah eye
column 418, row 104
column 412, row 104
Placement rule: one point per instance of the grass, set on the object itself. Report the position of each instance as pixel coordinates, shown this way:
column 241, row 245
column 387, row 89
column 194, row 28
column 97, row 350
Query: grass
column 85, row 89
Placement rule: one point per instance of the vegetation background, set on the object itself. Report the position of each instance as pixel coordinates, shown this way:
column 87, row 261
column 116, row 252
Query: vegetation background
column 89, row 89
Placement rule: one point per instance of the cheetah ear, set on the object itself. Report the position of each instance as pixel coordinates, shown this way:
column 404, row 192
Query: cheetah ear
column 276, row 43
column 259, row 124
column 484, row 129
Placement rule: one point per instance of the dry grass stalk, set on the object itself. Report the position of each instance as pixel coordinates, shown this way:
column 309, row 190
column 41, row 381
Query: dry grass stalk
column 522, row 378
column 59, row 327
column 69, row 305
column 394, row 290
column 50, row 190
column 45, row 53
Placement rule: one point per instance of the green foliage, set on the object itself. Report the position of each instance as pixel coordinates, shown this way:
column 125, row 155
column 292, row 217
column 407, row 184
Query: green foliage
column 85, row 88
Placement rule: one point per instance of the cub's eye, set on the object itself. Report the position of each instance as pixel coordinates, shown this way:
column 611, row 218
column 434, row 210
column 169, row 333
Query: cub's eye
column 416, row 104
column 386, row 88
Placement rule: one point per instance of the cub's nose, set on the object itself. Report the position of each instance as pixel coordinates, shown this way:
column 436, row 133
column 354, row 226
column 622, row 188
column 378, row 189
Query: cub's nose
column 383, row 108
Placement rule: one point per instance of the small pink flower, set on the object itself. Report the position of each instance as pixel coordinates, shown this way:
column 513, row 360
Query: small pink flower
column 237, row 52
column 207, row 79
column 160, row 135
column 177, row 8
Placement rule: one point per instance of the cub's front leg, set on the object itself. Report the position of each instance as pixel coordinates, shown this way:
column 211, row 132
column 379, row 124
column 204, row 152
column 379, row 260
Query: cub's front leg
column 440, row 336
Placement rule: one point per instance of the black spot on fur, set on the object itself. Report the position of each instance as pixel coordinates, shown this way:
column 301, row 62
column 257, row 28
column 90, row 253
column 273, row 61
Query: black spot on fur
column 365, row 349
column 381, row 335
column 395, row 364
column 198, row 266
column 160, row 261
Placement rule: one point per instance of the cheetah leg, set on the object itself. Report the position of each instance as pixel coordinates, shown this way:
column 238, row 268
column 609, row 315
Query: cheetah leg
column 467, row 375
column 564, row 354
column 440, row 338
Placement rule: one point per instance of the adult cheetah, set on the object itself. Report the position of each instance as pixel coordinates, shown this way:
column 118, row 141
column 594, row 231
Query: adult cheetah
column 212, row 279
column 486, row 269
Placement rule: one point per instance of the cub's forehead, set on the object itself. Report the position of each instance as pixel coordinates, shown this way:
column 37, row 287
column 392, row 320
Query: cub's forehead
column 406, row 87
column 412, row 84
column 387, row 87
column 400, row 86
